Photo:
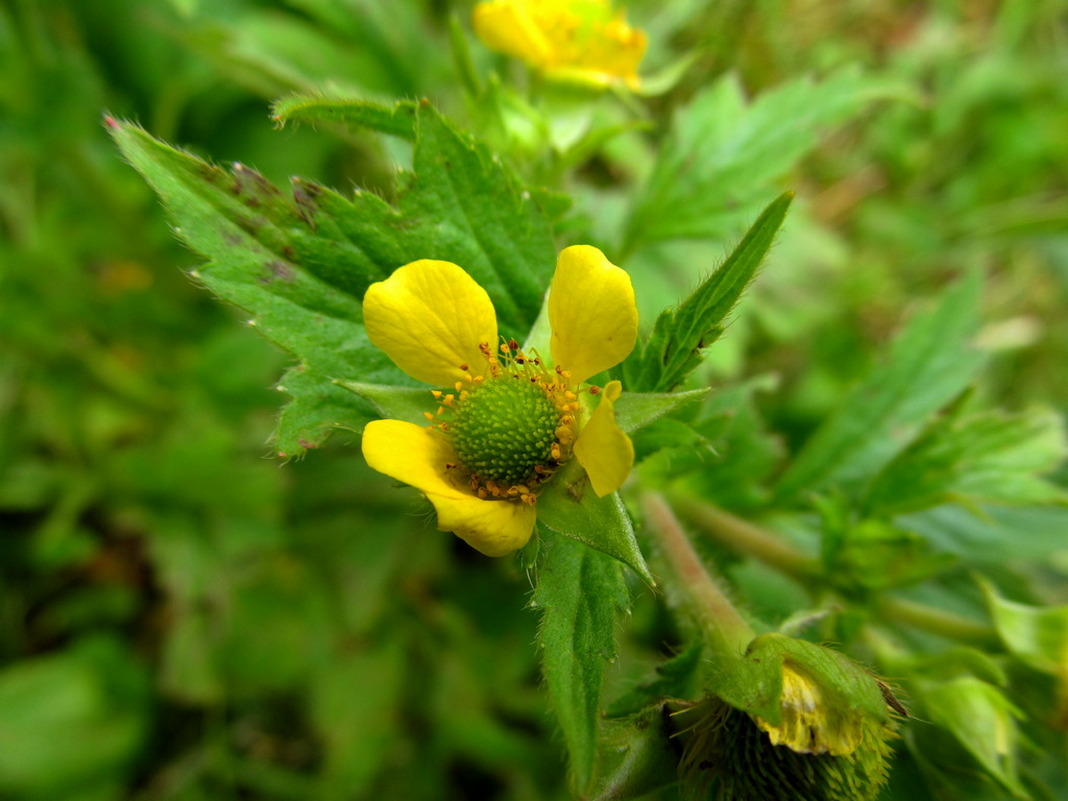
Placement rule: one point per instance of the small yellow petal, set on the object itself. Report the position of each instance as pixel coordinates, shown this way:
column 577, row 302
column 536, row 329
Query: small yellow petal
column 506, row 27
column 602, row 448
column 417, row 456
column 430, row 317
column 592, row 312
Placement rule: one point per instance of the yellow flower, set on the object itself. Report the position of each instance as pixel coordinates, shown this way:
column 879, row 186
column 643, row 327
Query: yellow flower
column 505, row 419
column 577, row 40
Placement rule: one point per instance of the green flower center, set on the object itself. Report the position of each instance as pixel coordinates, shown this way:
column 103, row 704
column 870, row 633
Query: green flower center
column 504, row 429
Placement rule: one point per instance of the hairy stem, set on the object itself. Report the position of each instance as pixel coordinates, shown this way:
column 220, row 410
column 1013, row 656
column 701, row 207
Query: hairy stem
column 937, row 621
column 744, row 537
column 693, row 587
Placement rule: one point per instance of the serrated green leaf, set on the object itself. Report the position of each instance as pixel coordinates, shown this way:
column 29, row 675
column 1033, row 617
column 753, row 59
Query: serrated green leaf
column 569, row 506
column 929, row 363
column 680, row 335
column 318, row 407
column 989, row 457
column 301, row 263
column 396, row 120
column 723, row 154
column 579, row 591
column 871, row 553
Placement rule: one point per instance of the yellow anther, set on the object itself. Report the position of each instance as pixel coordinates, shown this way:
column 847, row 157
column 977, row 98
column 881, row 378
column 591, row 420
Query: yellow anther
column 428, row 416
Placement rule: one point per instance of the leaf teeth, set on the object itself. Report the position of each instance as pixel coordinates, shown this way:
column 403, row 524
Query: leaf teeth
column 339, row 244
column 681, row 334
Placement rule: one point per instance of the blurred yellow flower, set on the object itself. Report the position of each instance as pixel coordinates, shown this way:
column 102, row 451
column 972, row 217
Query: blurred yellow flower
column 505, row 419
column 583, row 41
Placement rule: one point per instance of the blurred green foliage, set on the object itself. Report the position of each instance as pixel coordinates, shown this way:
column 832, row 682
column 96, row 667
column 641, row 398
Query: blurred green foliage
column 183, row 617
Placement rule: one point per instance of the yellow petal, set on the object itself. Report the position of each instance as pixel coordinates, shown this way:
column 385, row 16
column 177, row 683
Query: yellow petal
column 417, row 456
column 810, row 723
column 413, row 454
column 602, row 448
column 592, row 313
column 429, row 317
column 506, row 27
column 495, row 528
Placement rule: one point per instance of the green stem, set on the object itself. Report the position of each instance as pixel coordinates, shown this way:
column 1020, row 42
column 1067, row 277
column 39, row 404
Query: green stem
column 938, row 621
column 744, row 537
column 739, row 535
column 726, row 632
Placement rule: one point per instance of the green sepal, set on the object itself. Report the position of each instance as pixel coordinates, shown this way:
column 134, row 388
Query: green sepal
column 569, row 506
column 753, row 683
column 397, row 403
column 635, row 410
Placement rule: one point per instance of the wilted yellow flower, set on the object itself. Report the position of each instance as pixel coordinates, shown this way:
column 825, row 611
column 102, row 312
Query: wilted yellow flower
column 506, row 420
column 810, row 723
column 585, row 41
column 825, row 739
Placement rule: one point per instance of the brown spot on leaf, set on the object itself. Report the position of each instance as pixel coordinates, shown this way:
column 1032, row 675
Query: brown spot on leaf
column 277, row 271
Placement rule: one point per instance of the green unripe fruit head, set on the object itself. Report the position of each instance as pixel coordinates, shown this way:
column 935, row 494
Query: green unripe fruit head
column 728, row 752
column 503, row 428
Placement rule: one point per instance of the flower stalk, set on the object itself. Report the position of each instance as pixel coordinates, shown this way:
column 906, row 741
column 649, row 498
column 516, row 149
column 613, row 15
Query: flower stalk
column 698, row 593
column 744, row 537
column 741, row 535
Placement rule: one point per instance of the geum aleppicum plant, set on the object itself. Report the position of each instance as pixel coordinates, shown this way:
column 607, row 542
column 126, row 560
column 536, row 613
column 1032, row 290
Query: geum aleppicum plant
column 580, row 41
column 504, row 419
